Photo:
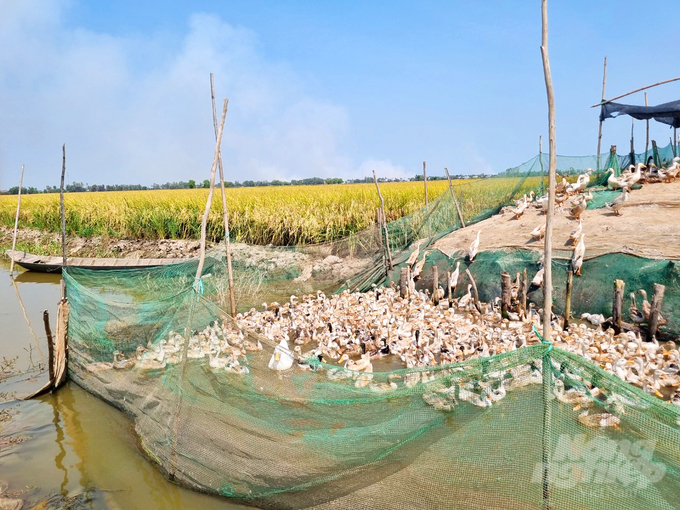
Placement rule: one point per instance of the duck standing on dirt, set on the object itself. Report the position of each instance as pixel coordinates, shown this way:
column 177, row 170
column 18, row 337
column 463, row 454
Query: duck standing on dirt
column 576, row 234
column 617, row 204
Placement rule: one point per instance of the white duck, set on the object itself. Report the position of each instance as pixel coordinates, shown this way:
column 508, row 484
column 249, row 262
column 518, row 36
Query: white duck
column 282, row 358
column 617, row 204
column 634, row 177
column 453, row 280
column 576, row 234
column 613, row 181
column 577, row 258
column 474, row 247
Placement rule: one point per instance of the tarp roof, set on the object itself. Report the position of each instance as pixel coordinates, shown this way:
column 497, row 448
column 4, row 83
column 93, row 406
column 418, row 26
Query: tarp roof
column 667, row 113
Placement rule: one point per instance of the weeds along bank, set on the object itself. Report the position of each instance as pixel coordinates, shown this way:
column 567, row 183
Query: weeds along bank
column 280, row 216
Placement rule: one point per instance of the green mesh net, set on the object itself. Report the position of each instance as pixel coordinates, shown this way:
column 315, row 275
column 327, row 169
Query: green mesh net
column 536, row 427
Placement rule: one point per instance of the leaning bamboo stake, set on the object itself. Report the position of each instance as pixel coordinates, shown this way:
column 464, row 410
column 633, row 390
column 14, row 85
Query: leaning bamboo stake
column 208, row 203
column 634, row 91
column 453, row 196
column 16, row 222
column 227, row 241
column 599, row 135
column 384, row 222
column 63, row 219
column 50, row 345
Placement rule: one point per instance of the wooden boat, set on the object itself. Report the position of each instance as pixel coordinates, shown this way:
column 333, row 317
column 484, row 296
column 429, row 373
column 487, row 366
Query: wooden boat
column 46, row 264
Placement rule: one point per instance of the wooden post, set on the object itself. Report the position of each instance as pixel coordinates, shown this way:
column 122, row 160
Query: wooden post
column 655, row 312
column 427, row 204
column 16, row 222
column 475, row 294
column 605, row 101
column 547, row 278
column 208, row 203
column 435, row 285
column 567, row 298
column 63, row 219
column 506, row 294
column 655, row 154
column 647, row 138
column 632, row 142
column 524, row 292
column 227, row 241
column 449, row 289
column 50, row 345
column 599, row 135
column 455, row 199
column 540, row 161
column 403, row 282
column 384, row 223
column 617, row 306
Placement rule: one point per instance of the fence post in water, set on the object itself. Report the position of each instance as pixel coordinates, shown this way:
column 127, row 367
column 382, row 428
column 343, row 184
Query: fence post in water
column 567, row 298
column 384, row 223
column 455, row 200
column 227, row 241
column 619, row 286
column 50, row 345
column 16, row 222
column 655, row 312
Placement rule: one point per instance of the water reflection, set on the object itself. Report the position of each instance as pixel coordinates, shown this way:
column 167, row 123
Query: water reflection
column 69, row 442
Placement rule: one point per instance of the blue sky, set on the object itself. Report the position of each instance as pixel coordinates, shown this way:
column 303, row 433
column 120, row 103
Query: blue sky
column 315, row 88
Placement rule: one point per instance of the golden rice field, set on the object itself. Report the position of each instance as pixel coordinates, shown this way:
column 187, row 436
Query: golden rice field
column 285, row 215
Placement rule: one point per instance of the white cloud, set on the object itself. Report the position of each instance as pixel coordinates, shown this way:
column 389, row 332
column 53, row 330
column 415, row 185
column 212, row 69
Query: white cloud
column 137, row 108
column 383, row 168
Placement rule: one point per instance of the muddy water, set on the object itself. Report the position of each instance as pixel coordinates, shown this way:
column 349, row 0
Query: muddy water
column 68, row 446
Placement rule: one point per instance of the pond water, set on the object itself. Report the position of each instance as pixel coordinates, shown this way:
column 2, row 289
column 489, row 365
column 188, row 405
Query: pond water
column 68, row 447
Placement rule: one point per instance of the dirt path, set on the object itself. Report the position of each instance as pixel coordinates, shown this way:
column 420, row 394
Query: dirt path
column 647, row 228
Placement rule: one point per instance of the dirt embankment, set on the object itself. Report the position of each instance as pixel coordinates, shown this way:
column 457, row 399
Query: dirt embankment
column 647, row 228
column 49, row 243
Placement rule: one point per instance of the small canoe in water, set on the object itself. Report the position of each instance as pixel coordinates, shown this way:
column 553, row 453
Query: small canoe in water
column 46, row 264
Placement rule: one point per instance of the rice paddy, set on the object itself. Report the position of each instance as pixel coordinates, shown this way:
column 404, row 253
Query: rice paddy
column 287, row 215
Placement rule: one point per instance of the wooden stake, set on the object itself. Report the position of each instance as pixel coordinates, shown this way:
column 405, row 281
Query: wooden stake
column 427, row 204
column 50, row 345
column 475, row 294
column 455, row 199
column 657, row 299
column 403, row 282
column 506, row 294
column 384, row 223
column 208, row 203
column 634, row 91
column 647, row 139
column 599, row 135
column 435, row 285
column 227, row 241
column 547, row 278
column 655, row 154
column 617, row 306
column 567, row 298
column 523, row 293
column 632, row 142
column 540, row 161
column 16, row 222
column 449, row 289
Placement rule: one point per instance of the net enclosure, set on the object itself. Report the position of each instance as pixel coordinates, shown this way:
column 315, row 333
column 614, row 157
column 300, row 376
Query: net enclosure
column 533, row 427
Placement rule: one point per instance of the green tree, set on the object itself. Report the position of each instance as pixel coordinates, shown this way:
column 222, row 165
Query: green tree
column 192, row 184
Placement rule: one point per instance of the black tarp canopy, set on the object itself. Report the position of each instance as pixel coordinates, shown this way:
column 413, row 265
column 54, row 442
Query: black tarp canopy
column 667, row 113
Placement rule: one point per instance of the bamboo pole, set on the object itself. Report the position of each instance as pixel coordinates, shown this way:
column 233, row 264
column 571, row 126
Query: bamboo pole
column 475, row 294
column 547, row 278
column 634, row 91
column 599, row 135
column 427, row 204
column 523, row 293
column 435, row 285
column 455, row 199
column 208, row 203
column 647, row 139
column 384, row 223
column 449, row 290
column 632, row 141
column 16, row 222
column 225, row 213
column 506, row 294
column 63, row 219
